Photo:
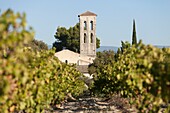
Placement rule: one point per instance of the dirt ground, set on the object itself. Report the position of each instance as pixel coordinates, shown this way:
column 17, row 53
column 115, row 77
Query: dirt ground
column 88, row 104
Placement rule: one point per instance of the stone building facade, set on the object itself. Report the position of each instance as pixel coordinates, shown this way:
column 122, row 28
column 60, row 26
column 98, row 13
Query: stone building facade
column 87, row 44
column 87, row 34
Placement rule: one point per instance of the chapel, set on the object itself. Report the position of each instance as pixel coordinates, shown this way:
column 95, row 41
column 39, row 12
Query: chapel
column 87, row 54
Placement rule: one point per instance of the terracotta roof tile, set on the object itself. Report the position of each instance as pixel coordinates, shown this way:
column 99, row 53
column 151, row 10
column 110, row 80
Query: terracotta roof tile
column 87, row 13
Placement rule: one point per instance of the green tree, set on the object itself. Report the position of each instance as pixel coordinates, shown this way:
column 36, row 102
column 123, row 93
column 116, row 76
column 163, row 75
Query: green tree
column 69, row 38
column 134, row 38
column 103, row 58
column 97, row 42
column 117, row 54
column 125, row 45
column 37, row 45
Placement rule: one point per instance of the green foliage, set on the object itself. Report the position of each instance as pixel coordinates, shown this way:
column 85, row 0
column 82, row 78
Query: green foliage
column 134, row 38
column 97, row 42
column 69, row 38
column 141, row 73
column 37, row 45
column 51, row 81
column 31, row 80
column 103, row 58
column 13, row 70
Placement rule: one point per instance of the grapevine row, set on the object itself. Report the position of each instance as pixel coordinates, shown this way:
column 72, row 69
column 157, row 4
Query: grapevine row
column 31, row 81
column 138, row 72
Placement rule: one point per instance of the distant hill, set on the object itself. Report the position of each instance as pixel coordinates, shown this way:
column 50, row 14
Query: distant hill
column 102, row 48
column 107, row 48
column 159, row 46
column 114, row 48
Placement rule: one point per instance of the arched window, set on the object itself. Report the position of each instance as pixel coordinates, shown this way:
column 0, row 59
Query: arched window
column 91, row 25
column 91, row 38
column 85, row 25
column 84, row 37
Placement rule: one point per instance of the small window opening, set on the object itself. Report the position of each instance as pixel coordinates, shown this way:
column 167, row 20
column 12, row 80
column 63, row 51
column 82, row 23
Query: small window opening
column 84, row 37
column 91, row 38
column 91, row 25
column 85, row 25
column 66, row 61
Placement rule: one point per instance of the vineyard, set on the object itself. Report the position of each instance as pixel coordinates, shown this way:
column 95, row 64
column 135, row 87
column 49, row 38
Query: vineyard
column 140, row 73
column 33, row 81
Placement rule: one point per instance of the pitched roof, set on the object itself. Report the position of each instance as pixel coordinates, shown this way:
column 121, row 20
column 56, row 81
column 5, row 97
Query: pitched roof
column 87, row 13
column 67, row 52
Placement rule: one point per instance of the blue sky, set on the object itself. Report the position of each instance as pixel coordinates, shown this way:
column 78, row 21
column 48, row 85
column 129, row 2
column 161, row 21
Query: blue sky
column 114, row 20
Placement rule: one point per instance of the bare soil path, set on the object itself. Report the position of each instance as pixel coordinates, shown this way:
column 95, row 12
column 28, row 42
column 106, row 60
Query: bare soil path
column 87, row 104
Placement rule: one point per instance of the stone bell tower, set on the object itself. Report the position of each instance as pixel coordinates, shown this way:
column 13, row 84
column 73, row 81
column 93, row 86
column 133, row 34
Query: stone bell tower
column 87, row 34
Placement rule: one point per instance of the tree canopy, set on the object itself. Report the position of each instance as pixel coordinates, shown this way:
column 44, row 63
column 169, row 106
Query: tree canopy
column 102, row 59
column 37, row 45
column 69, row 38
column 134, row 38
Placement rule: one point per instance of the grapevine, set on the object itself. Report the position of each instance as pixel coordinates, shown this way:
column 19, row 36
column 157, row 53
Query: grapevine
column 140, row 73
column 31, row 81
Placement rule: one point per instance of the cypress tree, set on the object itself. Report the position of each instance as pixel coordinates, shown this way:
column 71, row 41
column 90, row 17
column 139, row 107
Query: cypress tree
column 134, row 38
